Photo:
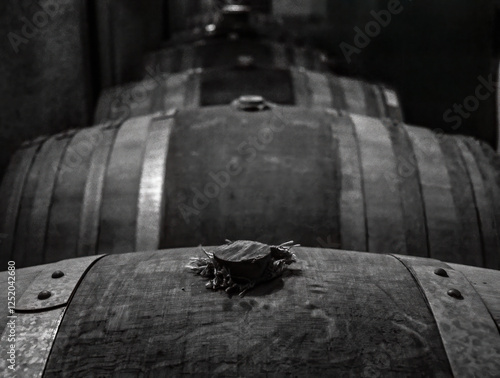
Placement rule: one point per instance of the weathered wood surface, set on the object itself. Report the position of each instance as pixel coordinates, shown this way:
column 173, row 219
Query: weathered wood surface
column 221, row 86
column 461, row 191
column 11, row 191
column 384, row 210
column 333, row 313
column 408, row 179
column 286, row 173
column 440, row 210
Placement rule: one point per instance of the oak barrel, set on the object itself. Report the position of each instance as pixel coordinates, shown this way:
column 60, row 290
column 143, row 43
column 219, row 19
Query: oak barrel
column 186, row 15
column 293, row 86
column 192, row 177
column 498, row 97
column 227, row 52
column 332, row 313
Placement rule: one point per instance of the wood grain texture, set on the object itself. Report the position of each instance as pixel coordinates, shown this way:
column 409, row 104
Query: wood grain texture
column 339, row 101
column 192, row 98
column 353, row 233
column 408, row 179
column 302, row 90
column 372, row 102
column 68, row 194
column 334, row 312
column 489, row 167
column 440, row 211
column 320, row 90
column 470, row 244
column 43, row 199
column 121, row 187
column 22, row 230
column 224, row 189
column 384, row 211
column 354, row 95
column 11, row 190
column 484, row 205
column 492, row 169
column 92, row 198
column 175, row 91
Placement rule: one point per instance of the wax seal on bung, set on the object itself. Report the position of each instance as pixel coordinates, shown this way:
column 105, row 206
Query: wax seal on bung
column 239, row 266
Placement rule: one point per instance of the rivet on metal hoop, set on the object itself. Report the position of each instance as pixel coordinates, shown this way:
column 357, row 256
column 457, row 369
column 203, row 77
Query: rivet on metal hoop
column 44, row 294
column 455, row 293
column 440, row 272
column 57, row 274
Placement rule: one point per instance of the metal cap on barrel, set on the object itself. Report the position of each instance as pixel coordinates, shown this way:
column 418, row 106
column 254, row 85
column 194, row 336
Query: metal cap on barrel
column 245, row 61
column 235, row 16
column 251, row 103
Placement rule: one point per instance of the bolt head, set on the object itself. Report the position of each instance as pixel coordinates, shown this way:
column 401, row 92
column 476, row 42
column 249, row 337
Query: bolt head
column 251, row 103
column 454, row 293
column 440, row 272
column 57, row 274
column 44, row 294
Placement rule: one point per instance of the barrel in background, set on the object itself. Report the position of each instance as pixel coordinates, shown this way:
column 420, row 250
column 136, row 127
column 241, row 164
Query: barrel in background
column 295, row 86
column 230, row 53
column 194, row 177
column 192, row 14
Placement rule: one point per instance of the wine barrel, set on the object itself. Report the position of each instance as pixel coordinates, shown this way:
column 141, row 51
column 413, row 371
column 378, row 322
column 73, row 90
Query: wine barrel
column 333, row 313
column 498, row 94
column 186, row 177
column 186, row 15
column 229, row 52
column 197, row 88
